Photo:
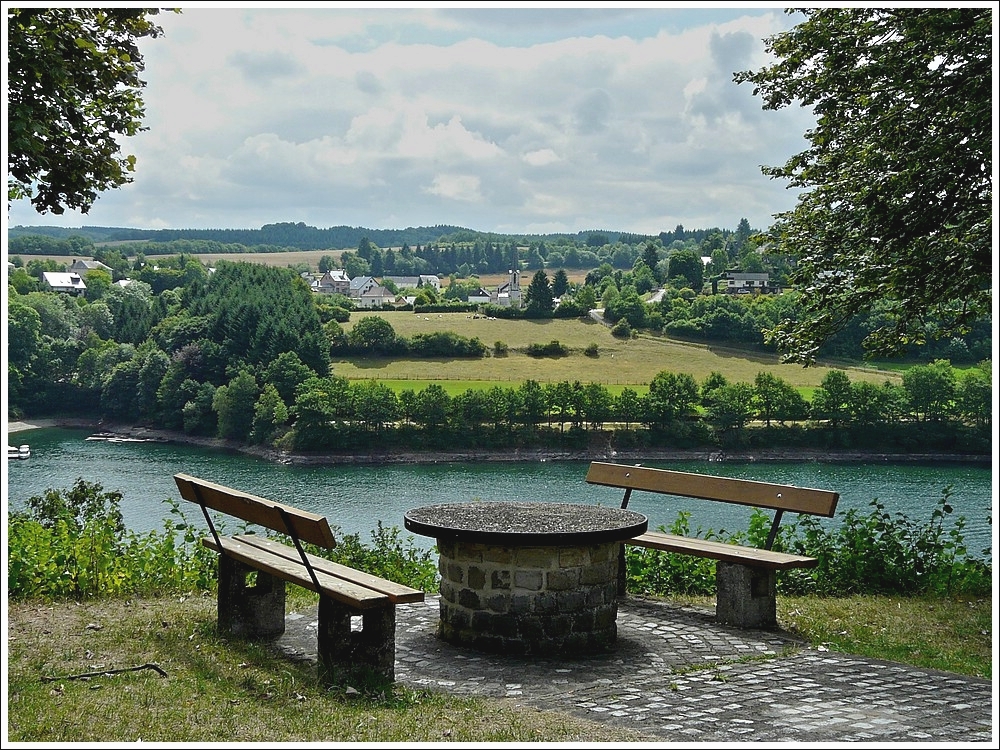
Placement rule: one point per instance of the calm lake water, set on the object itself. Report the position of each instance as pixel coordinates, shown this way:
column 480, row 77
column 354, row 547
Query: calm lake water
column 354, row 498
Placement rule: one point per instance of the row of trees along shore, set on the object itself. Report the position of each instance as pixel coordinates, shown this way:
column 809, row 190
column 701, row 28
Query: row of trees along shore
column 244, row 354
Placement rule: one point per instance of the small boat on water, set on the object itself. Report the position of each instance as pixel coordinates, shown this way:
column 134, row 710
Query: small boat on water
column 22, row 451
column 113, row 438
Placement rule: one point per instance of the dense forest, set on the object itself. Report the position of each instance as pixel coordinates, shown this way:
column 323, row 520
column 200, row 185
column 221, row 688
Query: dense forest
column 243, row 352
column 299, row 236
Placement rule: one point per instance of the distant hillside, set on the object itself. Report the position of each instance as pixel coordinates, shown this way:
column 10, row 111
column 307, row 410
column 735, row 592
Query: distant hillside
column 302, row 237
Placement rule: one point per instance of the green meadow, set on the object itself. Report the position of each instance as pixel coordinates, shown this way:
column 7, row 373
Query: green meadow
column 617, row 364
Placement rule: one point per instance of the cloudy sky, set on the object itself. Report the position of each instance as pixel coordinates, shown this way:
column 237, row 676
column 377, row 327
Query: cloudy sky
column 508, row 119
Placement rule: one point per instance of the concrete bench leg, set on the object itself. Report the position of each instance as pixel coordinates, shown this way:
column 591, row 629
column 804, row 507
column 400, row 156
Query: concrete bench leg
column 622, row 573
column 745, row 596
column 256, row 611
column 344, row 653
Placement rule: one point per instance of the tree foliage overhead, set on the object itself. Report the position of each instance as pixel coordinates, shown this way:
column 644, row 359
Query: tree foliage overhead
column 897, row 201
column 73, row 86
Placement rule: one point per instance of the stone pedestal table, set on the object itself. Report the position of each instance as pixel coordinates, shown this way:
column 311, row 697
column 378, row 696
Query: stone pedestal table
column 528, row 577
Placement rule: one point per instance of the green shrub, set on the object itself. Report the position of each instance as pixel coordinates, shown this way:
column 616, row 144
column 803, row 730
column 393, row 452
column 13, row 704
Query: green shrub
column 622, row 330
column 388, row 557
column 890, row 554
column 551, row 349
column 874, row 553
column 650, row 571
column 73, row 544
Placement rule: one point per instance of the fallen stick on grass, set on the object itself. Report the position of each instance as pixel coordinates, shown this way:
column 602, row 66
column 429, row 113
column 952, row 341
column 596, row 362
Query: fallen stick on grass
column 85, row 675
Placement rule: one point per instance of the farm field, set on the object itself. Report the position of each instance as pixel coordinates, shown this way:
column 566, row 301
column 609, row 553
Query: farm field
column 619, row 363
column 632, row 363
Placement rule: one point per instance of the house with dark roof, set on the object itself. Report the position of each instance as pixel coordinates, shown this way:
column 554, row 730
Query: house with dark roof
column 414, row 282
column 375, row 296
column 82, row 266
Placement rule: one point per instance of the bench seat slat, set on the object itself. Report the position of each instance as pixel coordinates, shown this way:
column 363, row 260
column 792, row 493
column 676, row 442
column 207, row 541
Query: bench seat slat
column 396, row 592
column 721, row 551
column 309, row 527
column 293, row 571
column 725, row 489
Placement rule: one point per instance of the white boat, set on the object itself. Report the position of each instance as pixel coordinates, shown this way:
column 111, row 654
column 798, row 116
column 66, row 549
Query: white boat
column 22, row 451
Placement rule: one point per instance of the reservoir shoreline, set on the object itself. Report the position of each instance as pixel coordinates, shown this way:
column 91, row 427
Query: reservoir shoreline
column 134, row 432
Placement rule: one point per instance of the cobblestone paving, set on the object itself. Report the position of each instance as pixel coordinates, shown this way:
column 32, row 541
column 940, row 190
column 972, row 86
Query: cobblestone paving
column 679, row 676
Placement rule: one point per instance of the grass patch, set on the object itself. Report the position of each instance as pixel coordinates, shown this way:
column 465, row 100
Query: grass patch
column 952, row 635
column 633, row 362
column 218, row 690
column 931, row 632
column 222, row 691
column 458, row 387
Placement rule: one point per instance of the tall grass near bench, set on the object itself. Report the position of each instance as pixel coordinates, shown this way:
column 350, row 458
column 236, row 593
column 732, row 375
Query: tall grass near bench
column 73, row 544
column 873, row 553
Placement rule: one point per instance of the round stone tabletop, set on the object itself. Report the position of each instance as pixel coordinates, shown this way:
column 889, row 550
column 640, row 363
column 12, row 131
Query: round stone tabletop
column 525, row 523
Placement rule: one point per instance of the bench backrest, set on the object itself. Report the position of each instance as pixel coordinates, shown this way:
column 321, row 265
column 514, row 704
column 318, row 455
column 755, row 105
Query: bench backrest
column 299, row 524
column 778, row 497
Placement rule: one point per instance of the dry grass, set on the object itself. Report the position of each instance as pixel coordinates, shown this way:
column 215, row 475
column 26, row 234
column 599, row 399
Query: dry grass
column 229, row 691
column 219, row 691
column 952, row 634
column 632, row 362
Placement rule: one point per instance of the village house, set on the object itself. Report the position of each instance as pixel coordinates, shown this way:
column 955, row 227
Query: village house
column 481, row 297
column 334, row 281
column 375, row 296
column 738, row 282
column 414, row 282
column 65, row 282
column 82, row 266
column 360, row 285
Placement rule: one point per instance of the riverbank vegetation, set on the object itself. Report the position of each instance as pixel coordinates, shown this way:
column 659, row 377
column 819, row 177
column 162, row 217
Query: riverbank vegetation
column 71, row 545
column 248, row 353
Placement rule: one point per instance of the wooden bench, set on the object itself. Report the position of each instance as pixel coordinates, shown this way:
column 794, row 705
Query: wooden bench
column 256, row 610
column 745, row 576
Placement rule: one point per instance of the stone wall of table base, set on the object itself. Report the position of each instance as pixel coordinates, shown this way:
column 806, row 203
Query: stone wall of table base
column 529, row 600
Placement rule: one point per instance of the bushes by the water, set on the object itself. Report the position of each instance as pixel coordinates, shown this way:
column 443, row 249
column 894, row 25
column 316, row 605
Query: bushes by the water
column 73, row 544
column 888, row 554
column 873, row 553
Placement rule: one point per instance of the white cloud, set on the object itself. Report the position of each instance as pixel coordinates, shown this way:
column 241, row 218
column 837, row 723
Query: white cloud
column 456, row 187
column 541, row 157
column 509, row 120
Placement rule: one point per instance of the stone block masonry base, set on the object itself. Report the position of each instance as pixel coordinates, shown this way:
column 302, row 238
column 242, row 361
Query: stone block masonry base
column 745, row 596
column 257, row 612
column 249, row 610
column 529, row 600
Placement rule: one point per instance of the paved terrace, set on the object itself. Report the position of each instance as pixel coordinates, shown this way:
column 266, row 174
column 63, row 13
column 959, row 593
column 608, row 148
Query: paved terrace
column 679, row 676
